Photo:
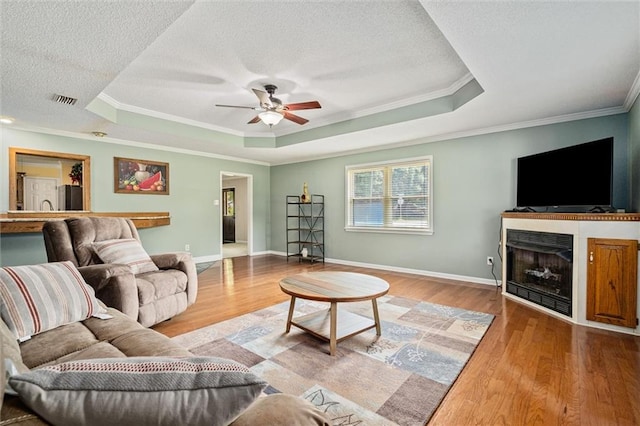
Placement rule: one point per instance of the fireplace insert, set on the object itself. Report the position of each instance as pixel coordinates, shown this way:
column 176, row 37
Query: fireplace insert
column 540, row 268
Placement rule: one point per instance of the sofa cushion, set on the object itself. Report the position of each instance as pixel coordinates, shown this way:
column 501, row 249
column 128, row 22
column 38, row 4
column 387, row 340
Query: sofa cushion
column 273, row 409
column 134, row 391
column 37, row 298
column 119, row 336
column 153, row 286
column 125, row 251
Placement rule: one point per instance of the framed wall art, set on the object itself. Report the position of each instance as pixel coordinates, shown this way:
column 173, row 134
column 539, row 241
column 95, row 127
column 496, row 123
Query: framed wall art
column 140, row 176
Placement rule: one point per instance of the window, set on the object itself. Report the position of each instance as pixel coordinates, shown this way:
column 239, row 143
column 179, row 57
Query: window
column 390, row 196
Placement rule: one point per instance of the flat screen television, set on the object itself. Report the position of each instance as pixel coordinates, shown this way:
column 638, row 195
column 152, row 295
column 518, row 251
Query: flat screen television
column 576, row 176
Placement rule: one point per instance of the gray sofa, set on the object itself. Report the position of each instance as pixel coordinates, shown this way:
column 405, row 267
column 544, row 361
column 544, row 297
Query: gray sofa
column 149, row 297
column 74, row 361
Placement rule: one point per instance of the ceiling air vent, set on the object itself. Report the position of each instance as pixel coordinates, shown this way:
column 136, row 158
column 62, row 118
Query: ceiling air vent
column 67, row 100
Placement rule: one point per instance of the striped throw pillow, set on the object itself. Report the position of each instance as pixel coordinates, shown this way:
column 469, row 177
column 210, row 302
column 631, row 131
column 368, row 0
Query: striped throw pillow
column 37, row 298
column 140, row 391
column 125, row 251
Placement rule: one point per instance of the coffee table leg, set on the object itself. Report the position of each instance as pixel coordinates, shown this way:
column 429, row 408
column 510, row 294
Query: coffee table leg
column 376, row 317
column 292, row 306
column 332, row 332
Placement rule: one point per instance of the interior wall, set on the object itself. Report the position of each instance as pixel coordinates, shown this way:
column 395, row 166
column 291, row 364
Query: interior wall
column 634, row 150
column 194, row 185
column 474, row 181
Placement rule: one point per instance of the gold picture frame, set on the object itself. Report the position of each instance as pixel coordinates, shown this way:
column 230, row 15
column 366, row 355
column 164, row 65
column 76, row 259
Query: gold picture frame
column 132, row 176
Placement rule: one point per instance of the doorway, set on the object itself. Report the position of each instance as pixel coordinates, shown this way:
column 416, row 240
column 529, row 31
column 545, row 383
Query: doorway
column 237, row 214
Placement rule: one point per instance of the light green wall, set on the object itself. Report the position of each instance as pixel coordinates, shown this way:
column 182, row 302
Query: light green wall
column 194, row 185
column 474, row 181
column 634, row 151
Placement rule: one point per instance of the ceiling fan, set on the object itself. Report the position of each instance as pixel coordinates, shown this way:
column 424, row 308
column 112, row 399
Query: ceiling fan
column 273, row 110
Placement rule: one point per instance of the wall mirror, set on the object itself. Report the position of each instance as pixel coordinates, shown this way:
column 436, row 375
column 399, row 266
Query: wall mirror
column 48, row 181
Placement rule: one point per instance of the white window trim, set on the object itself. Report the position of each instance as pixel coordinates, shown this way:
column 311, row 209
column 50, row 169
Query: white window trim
column 390, row 230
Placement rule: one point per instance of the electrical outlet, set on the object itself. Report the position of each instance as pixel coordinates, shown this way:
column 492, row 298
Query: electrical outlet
column 490, row 260
column 187, row 247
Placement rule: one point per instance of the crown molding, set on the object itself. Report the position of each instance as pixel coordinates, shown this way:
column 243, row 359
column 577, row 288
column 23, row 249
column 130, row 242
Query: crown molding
column 452, row 89
column 520, row 125
column 475, row 132
column 448, row 91
column 145, row 145
column 426, row 139
column 633, row 93
column 164, row 116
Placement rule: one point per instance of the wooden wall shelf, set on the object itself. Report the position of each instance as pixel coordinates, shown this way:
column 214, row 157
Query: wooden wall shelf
column 32, row 222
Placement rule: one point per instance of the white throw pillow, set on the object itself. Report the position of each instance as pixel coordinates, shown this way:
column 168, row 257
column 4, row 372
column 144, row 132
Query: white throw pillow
column 37, row 298
column 140, row 391
column 125, row 251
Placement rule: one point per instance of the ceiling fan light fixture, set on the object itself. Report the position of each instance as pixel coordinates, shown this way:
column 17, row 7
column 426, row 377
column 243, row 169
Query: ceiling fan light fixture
column 270, row 117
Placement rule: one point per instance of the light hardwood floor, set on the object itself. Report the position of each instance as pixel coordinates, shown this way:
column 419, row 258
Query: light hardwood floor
column 529, row 369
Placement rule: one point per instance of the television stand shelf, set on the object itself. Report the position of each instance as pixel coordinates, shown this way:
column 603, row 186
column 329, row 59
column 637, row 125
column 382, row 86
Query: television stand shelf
column 608, row 217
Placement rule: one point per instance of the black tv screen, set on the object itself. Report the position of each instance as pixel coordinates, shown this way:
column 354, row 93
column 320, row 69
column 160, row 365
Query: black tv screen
column 576, row 176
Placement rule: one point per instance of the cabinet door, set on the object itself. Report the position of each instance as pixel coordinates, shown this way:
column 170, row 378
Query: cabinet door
column 612, row 277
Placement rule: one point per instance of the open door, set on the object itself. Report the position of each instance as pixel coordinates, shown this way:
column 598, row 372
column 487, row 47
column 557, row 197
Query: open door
column 228, row 215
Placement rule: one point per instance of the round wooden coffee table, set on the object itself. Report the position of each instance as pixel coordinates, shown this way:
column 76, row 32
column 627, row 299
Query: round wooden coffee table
column 334, row 287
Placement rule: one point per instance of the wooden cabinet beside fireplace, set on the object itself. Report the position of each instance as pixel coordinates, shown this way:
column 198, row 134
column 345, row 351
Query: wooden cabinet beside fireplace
column 612, row 276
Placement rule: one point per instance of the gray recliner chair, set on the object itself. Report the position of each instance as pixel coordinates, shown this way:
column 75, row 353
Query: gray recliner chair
column 148, row 297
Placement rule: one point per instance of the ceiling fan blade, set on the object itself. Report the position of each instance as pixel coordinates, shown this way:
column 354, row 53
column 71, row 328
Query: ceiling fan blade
column 295, row 118
column 303, row 105
column 263, row 97
column 255, row 119
column 238, row 106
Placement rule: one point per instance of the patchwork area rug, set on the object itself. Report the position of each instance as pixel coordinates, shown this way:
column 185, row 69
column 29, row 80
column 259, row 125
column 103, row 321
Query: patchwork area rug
column 201, row 267
column 399, row 378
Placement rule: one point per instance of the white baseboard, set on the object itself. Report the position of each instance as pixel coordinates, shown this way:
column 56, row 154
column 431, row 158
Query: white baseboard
column 211, row 258
column 454, row 277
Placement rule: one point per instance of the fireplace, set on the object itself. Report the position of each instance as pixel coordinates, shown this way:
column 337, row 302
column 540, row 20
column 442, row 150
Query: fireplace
column 540, row 268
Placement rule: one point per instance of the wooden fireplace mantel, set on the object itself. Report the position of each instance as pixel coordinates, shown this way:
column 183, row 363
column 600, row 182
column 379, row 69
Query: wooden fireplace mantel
column 31, row 222
column 610, row 229
column 603, row 217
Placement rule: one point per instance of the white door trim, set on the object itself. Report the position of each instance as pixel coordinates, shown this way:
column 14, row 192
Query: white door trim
column 249, row 202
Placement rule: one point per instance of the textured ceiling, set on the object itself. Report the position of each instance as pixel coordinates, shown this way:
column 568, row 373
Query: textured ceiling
column 385, row 72
column 351, row 57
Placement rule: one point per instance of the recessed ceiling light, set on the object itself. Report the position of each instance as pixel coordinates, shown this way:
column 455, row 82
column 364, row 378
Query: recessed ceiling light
column 99, row 134
column 6, row 119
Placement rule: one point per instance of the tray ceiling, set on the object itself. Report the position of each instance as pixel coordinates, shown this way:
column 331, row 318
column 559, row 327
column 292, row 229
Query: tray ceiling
column 385, row 72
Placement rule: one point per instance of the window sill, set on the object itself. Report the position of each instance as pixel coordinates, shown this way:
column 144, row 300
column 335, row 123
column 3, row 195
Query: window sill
column 389, row 230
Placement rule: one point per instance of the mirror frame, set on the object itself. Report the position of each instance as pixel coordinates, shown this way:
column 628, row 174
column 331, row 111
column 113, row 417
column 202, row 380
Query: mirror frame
column 13, row 175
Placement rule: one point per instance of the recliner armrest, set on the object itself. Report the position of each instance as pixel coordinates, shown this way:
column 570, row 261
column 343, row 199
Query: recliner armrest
column 170, row 260
column 98, row 275
column 181, row 261
column 115, row 285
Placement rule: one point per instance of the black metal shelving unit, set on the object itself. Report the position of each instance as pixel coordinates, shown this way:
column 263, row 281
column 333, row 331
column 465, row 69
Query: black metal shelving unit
column 305, row 228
